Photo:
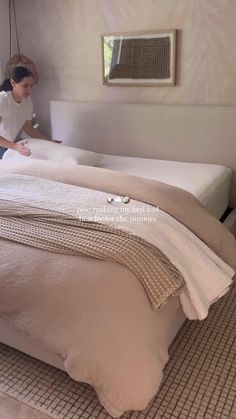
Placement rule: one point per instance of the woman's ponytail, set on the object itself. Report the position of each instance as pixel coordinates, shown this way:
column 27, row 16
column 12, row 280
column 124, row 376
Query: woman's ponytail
column 6, row 85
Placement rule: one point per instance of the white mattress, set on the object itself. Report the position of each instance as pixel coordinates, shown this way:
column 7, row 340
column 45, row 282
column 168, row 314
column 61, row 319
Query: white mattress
column 210, row 183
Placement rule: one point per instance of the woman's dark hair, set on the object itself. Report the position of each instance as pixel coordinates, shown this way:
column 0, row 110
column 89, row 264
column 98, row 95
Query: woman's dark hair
column 17, row 74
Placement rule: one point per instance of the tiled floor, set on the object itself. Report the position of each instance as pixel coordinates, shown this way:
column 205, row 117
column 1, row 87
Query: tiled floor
column 12, row 409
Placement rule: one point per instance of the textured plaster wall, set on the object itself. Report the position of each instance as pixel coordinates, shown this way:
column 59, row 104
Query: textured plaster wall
column 62, row 37
column 4, row 36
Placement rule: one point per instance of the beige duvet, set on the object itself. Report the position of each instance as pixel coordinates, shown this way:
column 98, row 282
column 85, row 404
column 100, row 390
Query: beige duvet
column 95, row 314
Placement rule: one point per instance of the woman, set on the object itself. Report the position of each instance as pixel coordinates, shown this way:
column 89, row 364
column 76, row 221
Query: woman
column 16, row 110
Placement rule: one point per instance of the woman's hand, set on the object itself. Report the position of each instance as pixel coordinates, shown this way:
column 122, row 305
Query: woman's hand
column 22, row 149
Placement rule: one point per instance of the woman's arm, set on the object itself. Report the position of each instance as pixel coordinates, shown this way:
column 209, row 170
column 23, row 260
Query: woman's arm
column 6, row 143
column 34, row 133
column 20, row 147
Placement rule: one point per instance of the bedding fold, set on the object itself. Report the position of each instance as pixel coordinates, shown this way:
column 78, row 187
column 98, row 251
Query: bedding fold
column 57, row 232
column 175, row 201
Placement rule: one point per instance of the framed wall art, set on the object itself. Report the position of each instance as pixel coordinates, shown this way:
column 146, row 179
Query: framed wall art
column 141, row 58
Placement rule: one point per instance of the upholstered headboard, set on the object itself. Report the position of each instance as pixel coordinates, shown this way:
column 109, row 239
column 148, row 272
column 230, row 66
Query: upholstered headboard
column 191, row 133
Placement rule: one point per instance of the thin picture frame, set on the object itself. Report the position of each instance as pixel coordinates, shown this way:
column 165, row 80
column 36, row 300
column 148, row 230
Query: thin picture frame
column 139, row 58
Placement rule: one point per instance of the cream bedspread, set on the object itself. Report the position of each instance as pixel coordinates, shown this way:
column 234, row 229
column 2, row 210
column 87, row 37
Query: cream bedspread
column 95, row 314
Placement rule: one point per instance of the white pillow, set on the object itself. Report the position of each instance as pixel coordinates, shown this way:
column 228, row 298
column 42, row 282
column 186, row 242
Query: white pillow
column 48, row 150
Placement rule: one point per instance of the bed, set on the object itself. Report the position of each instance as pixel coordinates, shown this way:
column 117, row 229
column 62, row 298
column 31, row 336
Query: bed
column 209, row 183
column 122, row 343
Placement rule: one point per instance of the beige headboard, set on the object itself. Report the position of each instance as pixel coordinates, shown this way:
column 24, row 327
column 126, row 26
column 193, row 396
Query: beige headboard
column 186, row 133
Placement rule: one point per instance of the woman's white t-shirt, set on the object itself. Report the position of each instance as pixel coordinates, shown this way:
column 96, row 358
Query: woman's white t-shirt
column 13, row 115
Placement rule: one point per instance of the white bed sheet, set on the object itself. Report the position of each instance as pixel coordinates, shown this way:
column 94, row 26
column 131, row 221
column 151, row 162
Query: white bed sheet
column 210, row 183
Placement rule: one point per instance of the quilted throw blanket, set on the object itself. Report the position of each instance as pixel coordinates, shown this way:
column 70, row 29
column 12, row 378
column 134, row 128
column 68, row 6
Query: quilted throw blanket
column 60, row 233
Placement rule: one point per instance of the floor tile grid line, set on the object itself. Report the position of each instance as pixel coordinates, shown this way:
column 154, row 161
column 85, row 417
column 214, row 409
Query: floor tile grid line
column 195, row 338
column 160, row 389
column 75, row 402
column 12, row 391
column 177, row 337
column 224, row 380
column 193, row 398
column 234, row 366
column 99, row 406
column 178, row 372
column 55, row 395
column 209, row 375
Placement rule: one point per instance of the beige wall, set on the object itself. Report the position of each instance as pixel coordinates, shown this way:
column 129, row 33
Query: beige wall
column 4, row 37
column 63, row 39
